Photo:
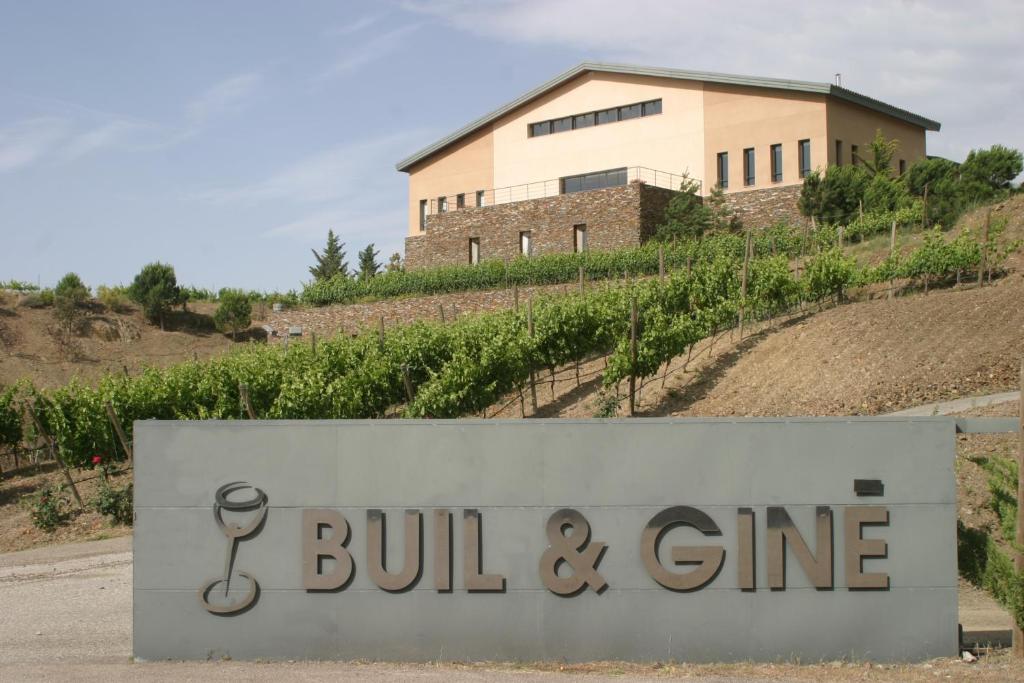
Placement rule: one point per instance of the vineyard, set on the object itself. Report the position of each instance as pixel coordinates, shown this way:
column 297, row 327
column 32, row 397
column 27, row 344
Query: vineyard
column 429, row 369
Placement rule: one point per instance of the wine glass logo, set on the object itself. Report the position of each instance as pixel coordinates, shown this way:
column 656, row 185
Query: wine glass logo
column 234, row 532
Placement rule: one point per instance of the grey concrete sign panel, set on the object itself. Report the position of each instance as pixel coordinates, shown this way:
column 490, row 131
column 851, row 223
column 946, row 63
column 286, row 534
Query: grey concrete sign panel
column 643, row 539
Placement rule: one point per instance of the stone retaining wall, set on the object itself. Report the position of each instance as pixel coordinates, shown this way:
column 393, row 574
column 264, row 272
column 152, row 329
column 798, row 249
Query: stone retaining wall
column 764, row 208
column 615, row 217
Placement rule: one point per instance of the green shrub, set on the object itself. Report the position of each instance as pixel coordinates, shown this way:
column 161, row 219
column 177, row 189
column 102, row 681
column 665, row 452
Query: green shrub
column 113, row 298
column 19, row 286
column 829, row 273
column 115, row 503
column 234, row 314
column 155, row 288
column 71, row 288
column 10, row 418
column 49, row 507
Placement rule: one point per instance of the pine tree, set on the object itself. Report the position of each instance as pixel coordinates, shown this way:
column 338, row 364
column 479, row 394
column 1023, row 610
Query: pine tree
column 395, row 263
column 332, row 261
column 368, row 266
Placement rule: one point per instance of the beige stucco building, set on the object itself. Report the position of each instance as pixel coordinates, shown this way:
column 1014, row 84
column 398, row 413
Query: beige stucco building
column 599, row 127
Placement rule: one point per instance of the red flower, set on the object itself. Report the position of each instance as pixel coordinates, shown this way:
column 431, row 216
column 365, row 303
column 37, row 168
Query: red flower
column 96, row 459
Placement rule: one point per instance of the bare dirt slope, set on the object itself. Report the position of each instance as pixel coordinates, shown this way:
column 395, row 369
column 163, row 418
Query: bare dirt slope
column 109, row 342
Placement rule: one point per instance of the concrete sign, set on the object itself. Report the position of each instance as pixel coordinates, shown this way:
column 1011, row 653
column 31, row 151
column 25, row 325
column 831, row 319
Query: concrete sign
column 644, row 540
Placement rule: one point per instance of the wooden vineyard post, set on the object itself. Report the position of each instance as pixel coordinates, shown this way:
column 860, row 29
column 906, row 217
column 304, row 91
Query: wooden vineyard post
column 119, row 429
column 924, row 208
column 53, row 454
column 984, row 249
column 533, row 379
column 1018, row 559
column 312, row 341
column 243, row 393
column 407, row 380
column 743, row 282
column 661, row 263
column 380, row 330
column 892, row 250
column 632, row 356
column 440, row 309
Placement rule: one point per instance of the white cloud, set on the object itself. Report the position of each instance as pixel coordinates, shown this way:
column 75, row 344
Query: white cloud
column 357, row 26
column 357, row 169
column 26, row 142
column 95, row 139
column 377, row 48
column 227, row 96
column 959, row 63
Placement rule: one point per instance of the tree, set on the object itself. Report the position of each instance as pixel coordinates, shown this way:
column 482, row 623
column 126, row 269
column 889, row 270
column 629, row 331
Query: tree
column 68, row 296
column 986, row 172
column 234, row 314
column 332, row 261
column 395, row 263
column 10, row 418
column 368, row 266
column 834, row 197
column 882, row 151
column 720, row 217
column 885, row 194
column 156, row 289
column 686, row 217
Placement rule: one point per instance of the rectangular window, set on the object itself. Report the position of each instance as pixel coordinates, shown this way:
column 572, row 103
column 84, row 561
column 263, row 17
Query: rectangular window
column 748, row 166
column 538, row 129
column 525, row 246
column 839, row 152
column 474, row 250
column 593, row 181
column 561, row 125
column 776, row 163
column 804, row 147
column 583, row 120
column 442, row 204
column 460, row 201
column 479, row 197
column 854, row 156
column 903, row 166
column 723, row 170
column 652, row 107
column 423, row 214
column 631, row 112
column 607, row 116
column 579, row 238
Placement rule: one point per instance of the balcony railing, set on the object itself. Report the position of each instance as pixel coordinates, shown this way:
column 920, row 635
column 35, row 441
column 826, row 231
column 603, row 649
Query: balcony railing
column 547, row 188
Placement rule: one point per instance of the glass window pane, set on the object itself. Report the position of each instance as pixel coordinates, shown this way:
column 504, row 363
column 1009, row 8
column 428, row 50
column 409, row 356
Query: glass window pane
column 723, row 170
column 583, row 120
column 572, row 184
column 561, row 125
column 542, row 128
column 608, row 116
column 748, row 166
column 653, row 107
column 630, row 112
column 617, row 177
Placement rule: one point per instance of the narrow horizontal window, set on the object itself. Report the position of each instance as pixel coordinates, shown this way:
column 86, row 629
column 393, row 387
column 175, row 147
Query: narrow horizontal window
column 652, row 107
column 561, row 125
column 538, row 129
column 583, row 120
column 631, row 112
column 607, row 116
column 594, row 181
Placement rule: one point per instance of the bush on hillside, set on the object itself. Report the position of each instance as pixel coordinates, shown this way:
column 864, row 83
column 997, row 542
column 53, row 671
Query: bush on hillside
column 234, row 314
column 155, row 288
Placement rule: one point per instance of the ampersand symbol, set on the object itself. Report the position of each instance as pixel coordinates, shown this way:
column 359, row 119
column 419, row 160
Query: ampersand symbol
column 574, row 549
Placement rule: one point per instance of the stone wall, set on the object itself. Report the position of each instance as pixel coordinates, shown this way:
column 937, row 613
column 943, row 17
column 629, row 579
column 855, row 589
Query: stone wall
column 615, row 217
column 764, row 208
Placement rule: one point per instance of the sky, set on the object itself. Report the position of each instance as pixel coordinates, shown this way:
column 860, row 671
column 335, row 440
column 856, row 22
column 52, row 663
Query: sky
column 227, row 137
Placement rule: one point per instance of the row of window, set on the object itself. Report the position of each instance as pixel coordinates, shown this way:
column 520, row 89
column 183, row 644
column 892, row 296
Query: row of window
column 442, row 205
column 750, row 164
column 594, row 118
column 579, row 243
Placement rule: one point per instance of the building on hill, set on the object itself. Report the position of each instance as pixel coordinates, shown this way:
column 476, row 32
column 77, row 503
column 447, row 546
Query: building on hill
column 589, row 159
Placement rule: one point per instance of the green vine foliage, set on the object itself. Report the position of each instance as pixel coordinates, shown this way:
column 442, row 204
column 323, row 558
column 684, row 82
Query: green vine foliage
column 10, row 418
column 465, row 366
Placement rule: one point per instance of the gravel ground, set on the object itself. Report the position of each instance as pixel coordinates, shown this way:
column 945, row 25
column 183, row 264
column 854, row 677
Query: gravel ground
column 66, row 615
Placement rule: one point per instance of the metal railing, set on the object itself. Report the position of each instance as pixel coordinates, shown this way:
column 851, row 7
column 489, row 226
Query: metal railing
column 548, row 188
